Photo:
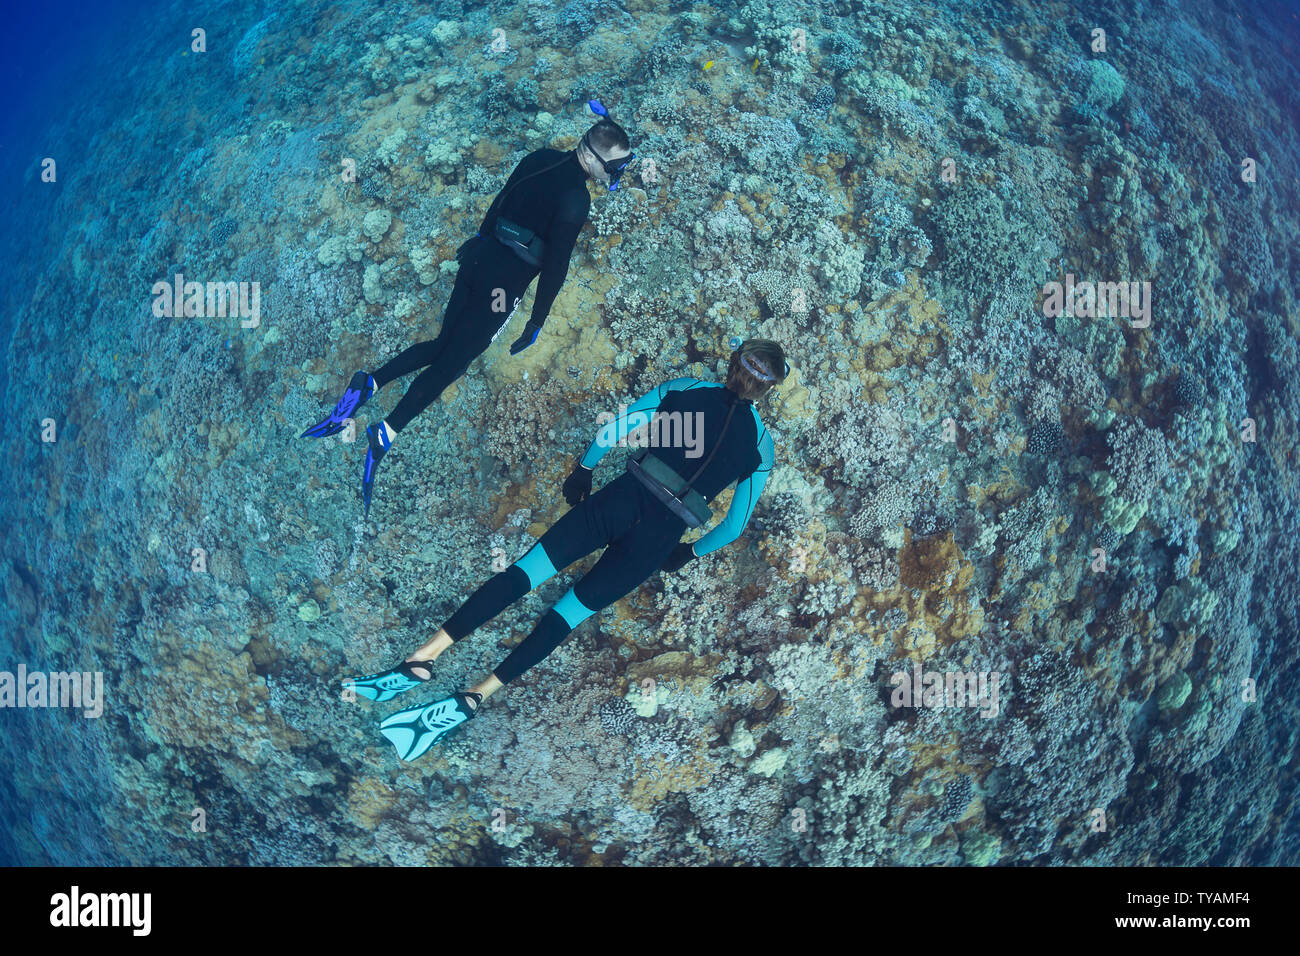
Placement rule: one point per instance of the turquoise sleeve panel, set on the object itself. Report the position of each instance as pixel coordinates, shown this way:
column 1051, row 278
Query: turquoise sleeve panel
column 638, row 413
column 537, row 565
column 744, row 499
column 572, row 610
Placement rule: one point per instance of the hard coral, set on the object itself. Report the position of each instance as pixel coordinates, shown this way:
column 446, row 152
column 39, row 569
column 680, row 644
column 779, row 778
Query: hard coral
column 1139, row 459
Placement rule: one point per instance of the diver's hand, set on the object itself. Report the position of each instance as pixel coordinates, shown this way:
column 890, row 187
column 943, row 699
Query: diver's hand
column 681, row 555
column 578, row 485
column 528, row 338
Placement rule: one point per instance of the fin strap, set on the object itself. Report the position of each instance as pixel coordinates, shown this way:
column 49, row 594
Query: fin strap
column 478, row 701
column 405, row 668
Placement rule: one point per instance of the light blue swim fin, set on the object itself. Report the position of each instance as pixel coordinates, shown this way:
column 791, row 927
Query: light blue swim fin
column 414, row 731
column 392, row 682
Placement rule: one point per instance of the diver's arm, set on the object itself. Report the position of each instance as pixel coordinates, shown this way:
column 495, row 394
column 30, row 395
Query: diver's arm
column 730, row 527
column 560, row 240
column 742, row 503
column 637, row 414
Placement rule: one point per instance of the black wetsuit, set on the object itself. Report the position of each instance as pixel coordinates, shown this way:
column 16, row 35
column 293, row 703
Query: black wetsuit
column 637, row 531
column 554, row 204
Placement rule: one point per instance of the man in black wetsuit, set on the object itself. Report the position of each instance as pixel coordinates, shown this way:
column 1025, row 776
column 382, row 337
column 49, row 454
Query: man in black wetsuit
column 639, row 518
column 528, row 232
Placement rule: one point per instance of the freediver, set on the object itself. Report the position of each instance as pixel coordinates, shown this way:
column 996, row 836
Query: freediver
column 529, row 232
column 639, row 518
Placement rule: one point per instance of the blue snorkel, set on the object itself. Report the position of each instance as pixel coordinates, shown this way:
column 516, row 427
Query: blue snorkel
column 613, row 168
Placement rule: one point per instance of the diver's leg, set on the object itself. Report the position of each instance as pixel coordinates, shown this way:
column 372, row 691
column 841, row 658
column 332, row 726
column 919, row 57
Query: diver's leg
column 626, row 563
column 467, row 337
column 592, row 523
column 423, row 353
column 407, row 361
column 452, row 359
column 444, row 359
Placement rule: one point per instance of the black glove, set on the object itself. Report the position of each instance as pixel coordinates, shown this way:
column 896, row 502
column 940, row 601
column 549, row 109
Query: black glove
column 528, row 338
column 578, row 485
column 683, row 554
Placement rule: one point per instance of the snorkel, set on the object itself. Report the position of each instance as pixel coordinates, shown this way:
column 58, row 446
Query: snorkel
column 613, row 167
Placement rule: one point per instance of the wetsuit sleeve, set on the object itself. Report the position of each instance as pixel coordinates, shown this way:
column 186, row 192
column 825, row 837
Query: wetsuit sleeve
column 638, row 413
column 742, row 502
column 560, row 240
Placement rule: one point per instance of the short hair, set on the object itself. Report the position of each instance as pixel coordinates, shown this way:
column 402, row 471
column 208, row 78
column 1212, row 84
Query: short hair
column 607, row 137
column 767, row 357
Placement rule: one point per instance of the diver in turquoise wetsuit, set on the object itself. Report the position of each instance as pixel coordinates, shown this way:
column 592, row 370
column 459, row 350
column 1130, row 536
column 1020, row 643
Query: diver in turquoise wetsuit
column 639, row 519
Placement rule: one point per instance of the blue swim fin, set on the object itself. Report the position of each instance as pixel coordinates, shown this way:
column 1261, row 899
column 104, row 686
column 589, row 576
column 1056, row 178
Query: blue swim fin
column 357, row 394
column 378, row 443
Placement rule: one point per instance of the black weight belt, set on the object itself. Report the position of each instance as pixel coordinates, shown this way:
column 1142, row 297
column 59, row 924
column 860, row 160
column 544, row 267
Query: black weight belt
column 520, row 240
column 662, row 481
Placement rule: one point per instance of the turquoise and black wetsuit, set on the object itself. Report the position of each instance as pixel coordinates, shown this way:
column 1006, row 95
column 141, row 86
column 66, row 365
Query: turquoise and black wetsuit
column 553, row 203
column 637, row 531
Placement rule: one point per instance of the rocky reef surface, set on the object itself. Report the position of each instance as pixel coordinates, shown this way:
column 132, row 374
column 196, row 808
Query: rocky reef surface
column 1099, row 508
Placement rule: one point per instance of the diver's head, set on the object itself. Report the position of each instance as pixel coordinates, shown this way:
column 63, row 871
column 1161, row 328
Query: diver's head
column 604, row 152
column 757, row 367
